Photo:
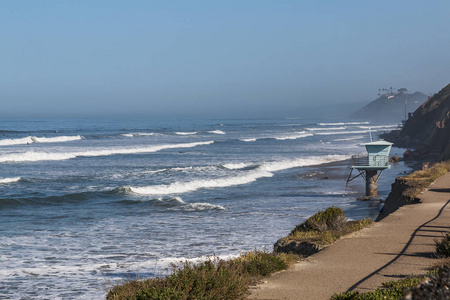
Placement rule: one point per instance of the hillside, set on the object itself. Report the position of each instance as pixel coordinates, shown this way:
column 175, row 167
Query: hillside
column 390, row 107
column 428, row 128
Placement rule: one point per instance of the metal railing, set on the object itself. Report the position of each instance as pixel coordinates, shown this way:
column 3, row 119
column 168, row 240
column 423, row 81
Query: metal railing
column 372, row 161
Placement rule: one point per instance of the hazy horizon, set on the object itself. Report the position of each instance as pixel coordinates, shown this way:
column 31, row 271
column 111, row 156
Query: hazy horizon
column 218, row 59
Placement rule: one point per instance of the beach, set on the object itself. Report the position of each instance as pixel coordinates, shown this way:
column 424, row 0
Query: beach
column 399, row 245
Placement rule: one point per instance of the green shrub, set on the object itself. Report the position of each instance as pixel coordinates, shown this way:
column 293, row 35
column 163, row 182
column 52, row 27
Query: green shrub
column 165, row 293
column 212, row 279
column 443, row 247
column 331, row 219
column 326, row 227
column 379, row 294
column 259, row 263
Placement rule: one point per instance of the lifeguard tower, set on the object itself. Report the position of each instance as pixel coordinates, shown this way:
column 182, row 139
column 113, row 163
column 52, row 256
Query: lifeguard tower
column 377, row 159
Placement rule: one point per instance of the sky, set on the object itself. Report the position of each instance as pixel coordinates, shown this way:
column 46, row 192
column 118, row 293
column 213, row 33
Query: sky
column 253, row 58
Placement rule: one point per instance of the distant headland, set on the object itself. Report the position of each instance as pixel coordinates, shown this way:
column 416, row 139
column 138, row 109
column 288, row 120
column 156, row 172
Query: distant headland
column 391, row 105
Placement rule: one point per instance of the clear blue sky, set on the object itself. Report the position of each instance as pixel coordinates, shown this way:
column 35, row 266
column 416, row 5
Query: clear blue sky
column 212, row 58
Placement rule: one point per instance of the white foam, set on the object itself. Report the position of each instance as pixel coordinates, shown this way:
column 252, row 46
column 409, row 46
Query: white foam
column 235, row 166
column 378, row 126
column 342, row 123
column 9, row 180
column 216, row 132
column 185, row 187
column 301, row 162
column 34, row 139
column 56, row 139
column 202, row 206
column 40, row 156
column 21, row 141
column 175, row 260
column 297, row 135
column 342, row 132
column 327, row 128
column 173, row 200
column 186, row 133
column 134, row 134
column 178, row 203
column 265, row 170
column 248, row 140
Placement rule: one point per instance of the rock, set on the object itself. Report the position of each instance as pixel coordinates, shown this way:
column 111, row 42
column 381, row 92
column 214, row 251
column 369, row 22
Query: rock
column 394, row 159
column 396, row 198
column 304, row 248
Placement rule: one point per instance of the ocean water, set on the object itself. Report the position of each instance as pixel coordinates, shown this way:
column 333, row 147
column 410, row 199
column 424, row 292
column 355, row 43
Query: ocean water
column 85, row 203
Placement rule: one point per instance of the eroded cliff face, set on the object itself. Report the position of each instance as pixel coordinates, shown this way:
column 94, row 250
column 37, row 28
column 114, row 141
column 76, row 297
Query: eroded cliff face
column 398, row 197
column 429, row 127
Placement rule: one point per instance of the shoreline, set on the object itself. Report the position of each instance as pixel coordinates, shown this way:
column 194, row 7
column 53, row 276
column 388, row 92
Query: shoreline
column 392, row 248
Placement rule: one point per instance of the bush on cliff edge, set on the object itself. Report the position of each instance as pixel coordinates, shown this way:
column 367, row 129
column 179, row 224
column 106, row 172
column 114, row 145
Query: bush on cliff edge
column 318, row 231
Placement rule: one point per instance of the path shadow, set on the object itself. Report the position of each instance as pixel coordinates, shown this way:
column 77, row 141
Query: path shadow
column 416, row 254
column 402, row 252
column 440, row 190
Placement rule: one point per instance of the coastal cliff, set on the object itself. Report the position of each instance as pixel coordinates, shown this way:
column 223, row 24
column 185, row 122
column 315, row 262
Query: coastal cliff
column 428, row 130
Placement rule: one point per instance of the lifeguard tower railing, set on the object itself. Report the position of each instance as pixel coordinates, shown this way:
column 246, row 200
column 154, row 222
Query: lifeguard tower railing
column 369, row 162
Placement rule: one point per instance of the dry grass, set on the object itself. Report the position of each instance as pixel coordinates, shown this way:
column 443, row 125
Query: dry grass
column 420, row 180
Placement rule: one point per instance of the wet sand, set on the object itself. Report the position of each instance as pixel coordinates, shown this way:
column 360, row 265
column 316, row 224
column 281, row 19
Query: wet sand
column 399, row 245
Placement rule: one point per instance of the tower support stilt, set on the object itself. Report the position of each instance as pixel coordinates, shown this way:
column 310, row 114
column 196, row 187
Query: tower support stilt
column 371, row 183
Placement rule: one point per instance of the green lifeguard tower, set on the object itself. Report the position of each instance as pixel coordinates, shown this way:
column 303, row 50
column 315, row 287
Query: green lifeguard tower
column 377, row 159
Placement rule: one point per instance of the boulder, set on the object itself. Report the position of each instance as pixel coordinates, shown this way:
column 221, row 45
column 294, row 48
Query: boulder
column 304, row 248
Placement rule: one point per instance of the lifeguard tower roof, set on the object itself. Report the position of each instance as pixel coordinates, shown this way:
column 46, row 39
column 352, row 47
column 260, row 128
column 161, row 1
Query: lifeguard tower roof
column 378, row 143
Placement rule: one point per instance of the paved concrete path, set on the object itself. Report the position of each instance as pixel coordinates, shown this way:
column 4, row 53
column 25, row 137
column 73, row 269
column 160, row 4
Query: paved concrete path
column 401, row 244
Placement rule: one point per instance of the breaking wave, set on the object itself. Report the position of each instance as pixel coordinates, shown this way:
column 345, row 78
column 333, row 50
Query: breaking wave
column 40, row 156
column 179, row 204
column 9, row 180
column 236, row 166
column 217, row 132
column 56, row 139
column 248, row 140
column 342, row 123
column 264, row 170
column 186, row 133
column 327, row 128
column 185, row 187
column 136, row 134
column 342, row 132
column 297, row 135
column 379, row 126
column 34, row 139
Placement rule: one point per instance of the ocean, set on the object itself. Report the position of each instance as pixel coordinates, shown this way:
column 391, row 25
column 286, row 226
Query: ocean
column 86, row 203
